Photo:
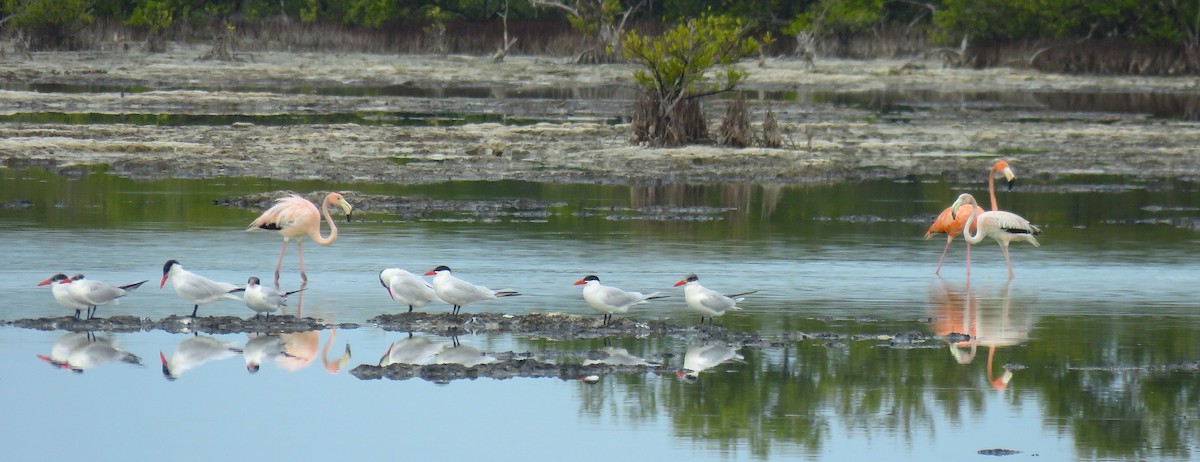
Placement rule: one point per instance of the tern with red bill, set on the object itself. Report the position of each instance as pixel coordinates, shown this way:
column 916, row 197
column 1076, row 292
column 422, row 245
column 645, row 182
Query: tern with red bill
column 196, row 288
column 706, row 301
column 611, row 300
column 460, row 293
column 407, row 288
column 62, row 294
column 97, row 294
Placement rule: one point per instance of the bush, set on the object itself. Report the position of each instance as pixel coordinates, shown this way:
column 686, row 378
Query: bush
column 49, row 24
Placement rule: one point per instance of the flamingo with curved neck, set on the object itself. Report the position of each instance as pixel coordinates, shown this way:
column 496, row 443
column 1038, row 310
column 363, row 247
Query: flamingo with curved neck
column 1003, row 227
column 296, row 218
column 952, row 227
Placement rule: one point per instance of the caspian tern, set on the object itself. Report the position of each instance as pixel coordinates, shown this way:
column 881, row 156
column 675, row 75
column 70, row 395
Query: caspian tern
column 264, row 299
column 193, row 352
column 62, row 294
column 407, row 288
column 708, row 302
column 701, row 357
column 411, row 350
column 196, row 288
column 460, row 293
column 97, row 294
column 611, row 300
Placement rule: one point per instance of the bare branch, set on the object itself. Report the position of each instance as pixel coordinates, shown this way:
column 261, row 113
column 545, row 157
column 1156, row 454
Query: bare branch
column 551, row 4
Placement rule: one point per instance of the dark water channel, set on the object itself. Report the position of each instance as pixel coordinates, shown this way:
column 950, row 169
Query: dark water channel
column 1092, row 352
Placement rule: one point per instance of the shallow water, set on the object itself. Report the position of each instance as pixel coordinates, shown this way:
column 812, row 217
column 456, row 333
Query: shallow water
column 1091, row 352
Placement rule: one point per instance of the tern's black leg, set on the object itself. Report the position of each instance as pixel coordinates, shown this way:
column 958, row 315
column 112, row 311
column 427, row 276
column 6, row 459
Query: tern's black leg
column 410, row 308
column 76, row 314
column 194, row 309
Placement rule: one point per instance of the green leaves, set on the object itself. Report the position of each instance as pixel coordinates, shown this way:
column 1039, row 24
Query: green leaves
column 677, row 62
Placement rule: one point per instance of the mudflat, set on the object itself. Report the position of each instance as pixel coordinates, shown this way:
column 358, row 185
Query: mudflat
column 106, row 118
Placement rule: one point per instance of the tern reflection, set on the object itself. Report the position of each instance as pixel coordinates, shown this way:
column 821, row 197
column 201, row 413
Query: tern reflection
column 411, row 350
column 80, row 351
column 465, row 355
column 619, row 357
column 262, row 348
column 194, row 352
column 969, row 320
column 699, row 358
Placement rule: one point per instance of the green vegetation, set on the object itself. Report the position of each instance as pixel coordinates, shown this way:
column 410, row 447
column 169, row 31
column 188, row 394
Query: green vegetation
column 1169, row 27
column 675, row 73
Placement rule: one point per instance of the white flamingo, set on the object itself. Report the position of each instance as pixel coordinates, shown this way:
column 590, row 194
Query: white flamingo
column 1003, row 227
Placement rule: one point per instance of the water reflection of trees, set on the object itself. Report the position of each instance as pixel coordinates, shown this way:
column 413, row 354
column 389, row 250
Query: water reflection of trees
column 739, row 198
column 795, row 394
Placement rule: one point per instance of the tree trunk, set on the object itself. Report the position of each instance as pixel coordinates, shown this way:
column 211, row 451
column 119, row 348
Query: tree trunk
column 657, row 124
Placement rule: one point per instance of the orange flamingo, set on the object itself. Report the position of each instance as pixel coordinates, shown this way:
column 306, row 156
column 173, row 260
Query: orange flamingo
column 1001, row 226
column 296, row 217
column 947, row 224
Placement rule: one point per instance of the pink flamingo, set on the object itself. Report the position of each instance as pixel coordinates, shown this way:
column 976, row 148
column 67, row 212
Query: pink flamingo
column 952, row 227
column 296, row 217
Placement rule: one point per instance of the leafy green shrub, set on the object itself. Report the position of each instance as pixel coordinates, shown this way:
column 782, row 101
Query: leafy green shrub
column 49, row 24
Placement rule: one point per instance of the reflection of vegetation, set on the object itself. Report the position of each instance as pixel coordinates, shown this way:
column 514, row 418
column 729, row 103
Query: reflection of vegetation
column 794, row 394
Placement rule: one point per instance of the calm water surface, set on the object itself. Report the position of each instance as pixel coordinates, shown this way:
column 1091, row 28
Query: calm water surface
column 1091, row 352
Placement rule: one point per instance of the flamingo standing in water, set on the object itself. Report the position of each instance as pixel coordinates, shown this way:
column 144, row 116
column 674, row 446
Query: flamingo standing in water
column 1001, row 226
column 296, row 217
column 952, row 227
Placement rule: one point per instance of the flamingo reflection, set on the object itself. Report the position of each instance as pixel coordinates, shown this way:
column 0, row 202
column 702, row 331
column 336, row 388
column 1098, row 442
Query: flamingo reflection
column 992, row 322
column 194, row 352
column 954, row 319
column 699, row 358
column 302, row 348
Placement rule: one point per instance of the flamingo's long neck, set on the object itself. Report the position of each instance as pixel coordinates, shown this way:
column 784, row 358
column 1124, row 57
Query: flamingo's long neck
column 978, row 237
column 992, row 189
column 332, row 227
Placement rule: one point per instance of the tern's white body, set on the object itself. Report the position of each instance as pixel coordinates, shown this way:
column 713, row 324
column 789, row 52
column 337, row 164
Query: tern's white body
column 62, row 294
column 194, row 352
column 611, row 300
column 196, row 288
column 65, row 345
column 96, row 294
column 411, row 350
column 708, row 302
column 619, row 357
column 98, row 353
column 263, row 299
column 701, row 357
column 462, row 354
column 461, row 293
column 262, row 348
column 407, row 288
